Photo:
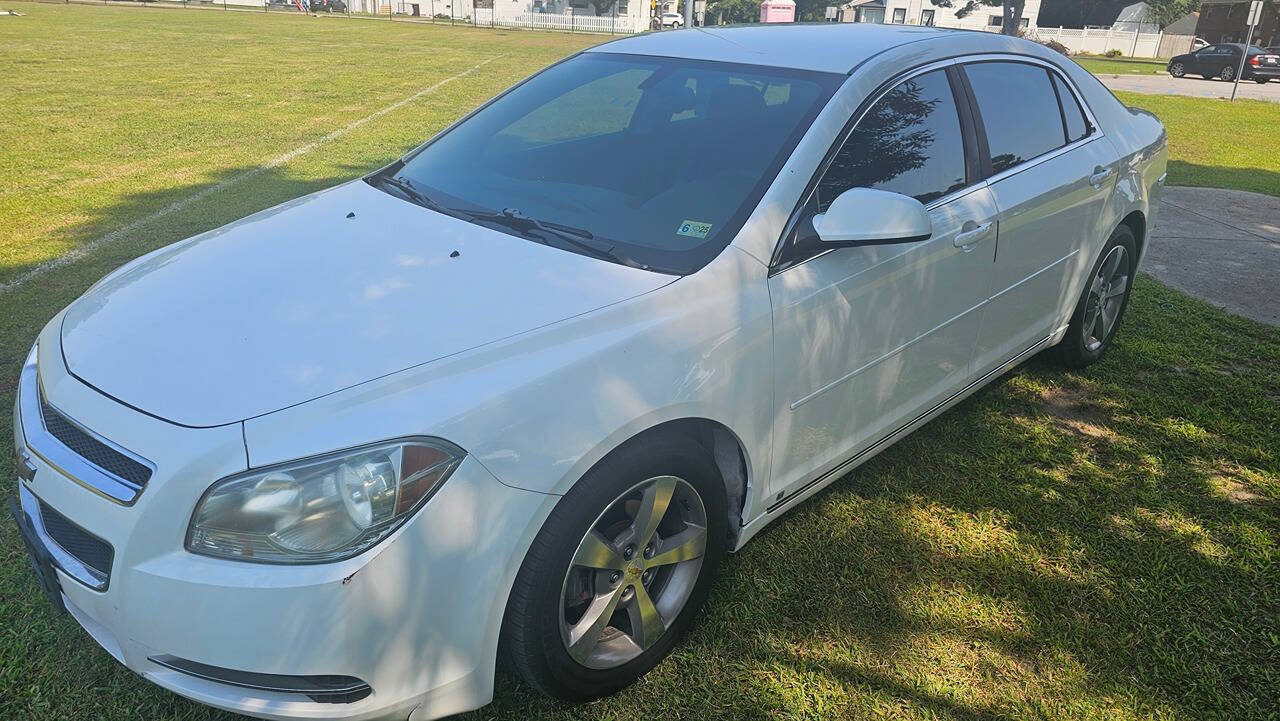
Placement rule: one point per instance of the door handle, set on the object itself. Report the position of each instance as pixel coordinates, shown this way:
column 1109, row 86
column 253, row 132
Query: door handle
column 1099, row 177
column 966, row 238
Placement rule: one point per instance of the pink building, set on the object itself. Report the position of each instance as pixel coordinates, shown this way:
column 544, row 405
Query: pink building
column 778, row 11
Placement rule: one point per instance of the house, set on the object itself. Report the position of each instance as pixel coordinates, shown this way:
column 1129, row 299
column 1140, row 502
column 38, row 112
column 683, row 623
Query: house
column 1137, row 16
column 1225, row 21
column 924, row 12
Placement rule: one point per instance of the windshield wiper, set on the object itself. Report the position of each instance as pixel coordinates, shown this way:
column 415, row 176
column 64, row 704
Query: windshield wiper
column 577, row 237
column 404, row 186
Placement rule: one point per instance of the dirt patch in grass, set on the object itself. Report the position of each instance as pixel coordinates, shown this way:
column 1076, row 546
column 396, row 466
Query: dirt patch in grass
column 1074, row 411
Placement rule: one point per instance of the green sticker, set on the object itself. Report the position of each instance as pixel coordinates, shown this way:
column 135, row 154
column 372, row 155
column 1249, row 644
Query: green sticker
column 694, row 229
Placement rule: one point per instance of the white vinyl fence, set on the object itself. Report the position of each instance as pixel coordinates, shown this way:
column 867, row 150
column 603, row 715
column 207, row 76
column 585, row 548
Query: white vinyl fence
column 554, row 21
column 1131, row 43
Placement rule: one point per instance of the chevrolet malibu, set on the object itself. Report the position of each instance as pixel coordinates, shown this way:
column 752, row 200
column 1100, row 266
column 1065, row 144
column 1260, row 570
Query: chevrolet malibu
column 517, row 394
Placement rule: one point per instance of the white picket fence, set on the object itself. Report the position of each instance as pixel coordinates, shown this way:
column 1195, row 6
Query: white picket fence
column 554, row 21
column 1131, row 43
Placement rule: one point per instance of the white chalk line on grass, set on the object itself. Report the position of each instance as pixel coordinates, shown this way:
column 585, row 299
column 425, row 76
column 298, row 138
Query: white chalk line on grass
column 73, row 255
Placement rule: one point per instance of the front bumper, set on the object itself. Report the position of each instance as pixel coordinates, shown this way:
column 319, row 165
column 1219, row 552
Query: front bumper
column 416, row 618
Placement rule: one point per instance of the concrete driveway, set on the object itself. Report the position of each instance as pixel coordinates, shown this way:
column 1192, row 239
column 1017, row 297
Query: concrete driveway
column 1195, row 87
column 1222, row 246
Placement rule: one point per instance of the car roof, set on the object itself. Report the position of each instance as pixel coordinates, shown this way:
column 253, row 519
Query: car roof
column 826, row 47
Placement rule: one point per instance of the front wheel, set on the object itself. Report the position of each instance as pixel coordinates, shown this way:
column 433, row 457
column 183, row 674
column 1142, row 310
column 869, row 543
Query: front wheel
column 1177, row 70
column 1097, row 314
column 1260, row 81
column 1227, row 73
column 618, row 571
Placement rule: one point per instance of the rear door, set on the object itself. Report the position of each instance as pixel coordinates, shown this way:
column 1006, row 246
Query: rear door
column 1050, row 173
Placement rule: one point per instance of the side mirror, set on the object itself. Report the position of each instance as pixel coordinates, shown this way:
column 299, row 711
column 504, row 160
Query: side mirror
column 863, row 216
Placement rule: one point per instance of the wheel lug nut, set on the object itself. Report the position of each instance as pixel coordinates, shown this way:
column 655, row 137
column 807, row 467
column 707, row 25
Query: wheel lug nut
column 615, row 577
column 646, row 577
column 628, row 552
column 648, row 551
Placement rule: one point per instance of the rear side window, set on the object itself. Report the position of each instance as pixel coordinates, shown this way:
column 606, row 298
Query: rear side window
column 1019, row 109
column 1072, row 114
column 909, row 142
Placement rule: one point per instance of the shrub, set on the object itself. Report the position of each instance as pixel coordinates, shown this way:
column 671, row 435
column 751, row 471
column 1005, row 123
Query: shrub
column 1055, row 45
column 1112, row 53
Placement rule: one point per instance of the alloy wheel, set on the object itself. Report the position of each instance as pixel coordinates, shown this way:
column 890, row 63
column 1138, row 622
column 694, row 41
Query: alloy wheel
column 1106, row 297
column 633, row 572
column 1228, row 73
column 1177, row 70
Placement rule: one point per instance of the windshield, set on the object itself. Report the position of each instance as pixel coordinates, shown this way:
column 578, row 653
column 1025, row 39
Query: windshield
column 650, row 162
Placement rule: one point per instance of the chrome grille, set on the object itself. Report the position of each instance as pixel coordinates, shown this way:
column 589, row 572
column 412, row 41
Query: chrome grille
column 91, row 449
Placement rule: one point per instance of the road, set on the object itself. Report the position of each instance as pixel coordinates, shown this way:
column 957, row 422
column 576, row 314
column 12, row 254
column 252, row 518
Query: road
column 1194, row 87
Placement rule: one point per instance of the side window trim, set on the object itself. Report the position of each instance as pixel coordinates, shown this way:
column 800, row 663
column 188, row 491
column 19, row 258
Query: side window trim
column 779, row 262
column 1062, row 109
column 968, row 128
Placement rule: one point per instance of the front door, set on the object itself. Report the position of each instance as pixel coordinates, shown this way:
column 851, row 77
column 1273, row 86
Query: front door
column 867, row 337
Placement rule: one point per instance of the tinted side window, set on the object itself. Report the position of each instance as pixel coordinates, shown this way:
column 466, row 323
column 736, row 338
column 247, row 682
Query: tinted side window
column 909, row 142
column 1018, row 108
column 1077, row 126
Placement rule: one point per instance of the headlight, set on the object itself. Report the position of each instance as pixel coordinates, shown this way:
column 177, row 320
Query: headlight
column 320, row 509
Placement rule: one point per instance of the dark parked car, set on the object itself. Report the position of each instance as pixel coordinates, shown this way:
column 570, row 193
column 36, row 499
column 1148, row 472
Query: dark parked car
column 1223, row 61
column 328, row 6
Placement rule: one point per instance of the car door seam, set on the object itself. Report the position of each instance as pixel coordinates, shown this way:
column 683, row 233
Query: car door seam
column 1045, row 269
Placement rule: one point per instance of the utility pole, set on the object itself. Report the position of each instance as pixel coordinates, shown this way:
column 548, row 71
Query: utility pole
column 1255, row 13
column 688, row 13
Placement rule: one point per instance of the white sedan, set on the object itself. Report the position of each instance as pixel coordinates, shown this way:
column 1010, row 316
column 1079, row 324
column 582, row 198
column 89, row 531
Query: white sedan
column 534, row 380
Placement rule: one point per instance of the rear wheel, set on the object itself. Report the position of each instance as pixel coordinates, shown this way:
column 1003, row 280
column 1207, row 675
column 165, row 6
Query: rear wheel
column 1227, row 73
column 1260, row 81
column 618, row 571
column 1177, row 70
column 1101, row 305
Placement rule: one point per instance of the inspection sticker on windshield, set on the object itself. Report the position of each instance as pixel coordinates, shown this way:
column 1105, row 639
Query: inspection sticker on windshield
column 694, row 229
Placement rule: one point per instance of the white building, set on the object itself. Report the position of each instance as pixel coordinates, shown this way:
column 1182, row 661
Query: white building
column 924, row 12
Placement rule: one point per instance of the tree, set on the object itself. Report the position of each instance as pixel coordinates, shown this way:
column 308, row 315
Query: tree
column 733, row 11
column 1167, row 12
column 1011, row 11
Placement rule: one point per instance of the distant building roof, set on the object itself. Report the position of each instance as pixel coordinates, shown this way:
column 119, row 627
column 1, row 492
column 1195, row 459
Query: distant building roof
column 1185, row 25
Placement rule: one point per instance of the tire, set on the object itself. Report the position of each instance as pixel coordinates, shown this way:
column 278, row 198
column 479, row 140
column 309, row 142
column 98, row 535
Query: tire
column 1227, row 73
column 1177, row 70
column 1260, row 81
column 539, row 621
column 1078, row 348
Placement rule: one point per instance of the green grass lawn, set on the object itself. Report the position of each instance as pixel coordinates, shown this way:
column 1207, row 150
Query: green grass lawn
column 1216, row 143
column 1092, row 545
column 1099, row 65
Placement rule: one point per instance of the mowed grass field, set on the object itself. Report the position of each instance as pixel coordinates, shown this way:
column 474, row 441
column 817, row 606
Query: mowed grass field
column 1091, row 545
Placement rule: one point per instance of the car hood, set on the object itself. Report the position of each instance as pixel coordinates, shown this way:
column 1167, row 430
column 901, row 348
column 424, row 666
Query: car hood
column 317, row 295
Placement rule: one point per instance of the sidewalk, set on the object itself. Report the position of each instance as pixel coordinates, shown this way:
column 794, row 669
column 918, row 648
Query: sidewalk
column 1222, row 246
